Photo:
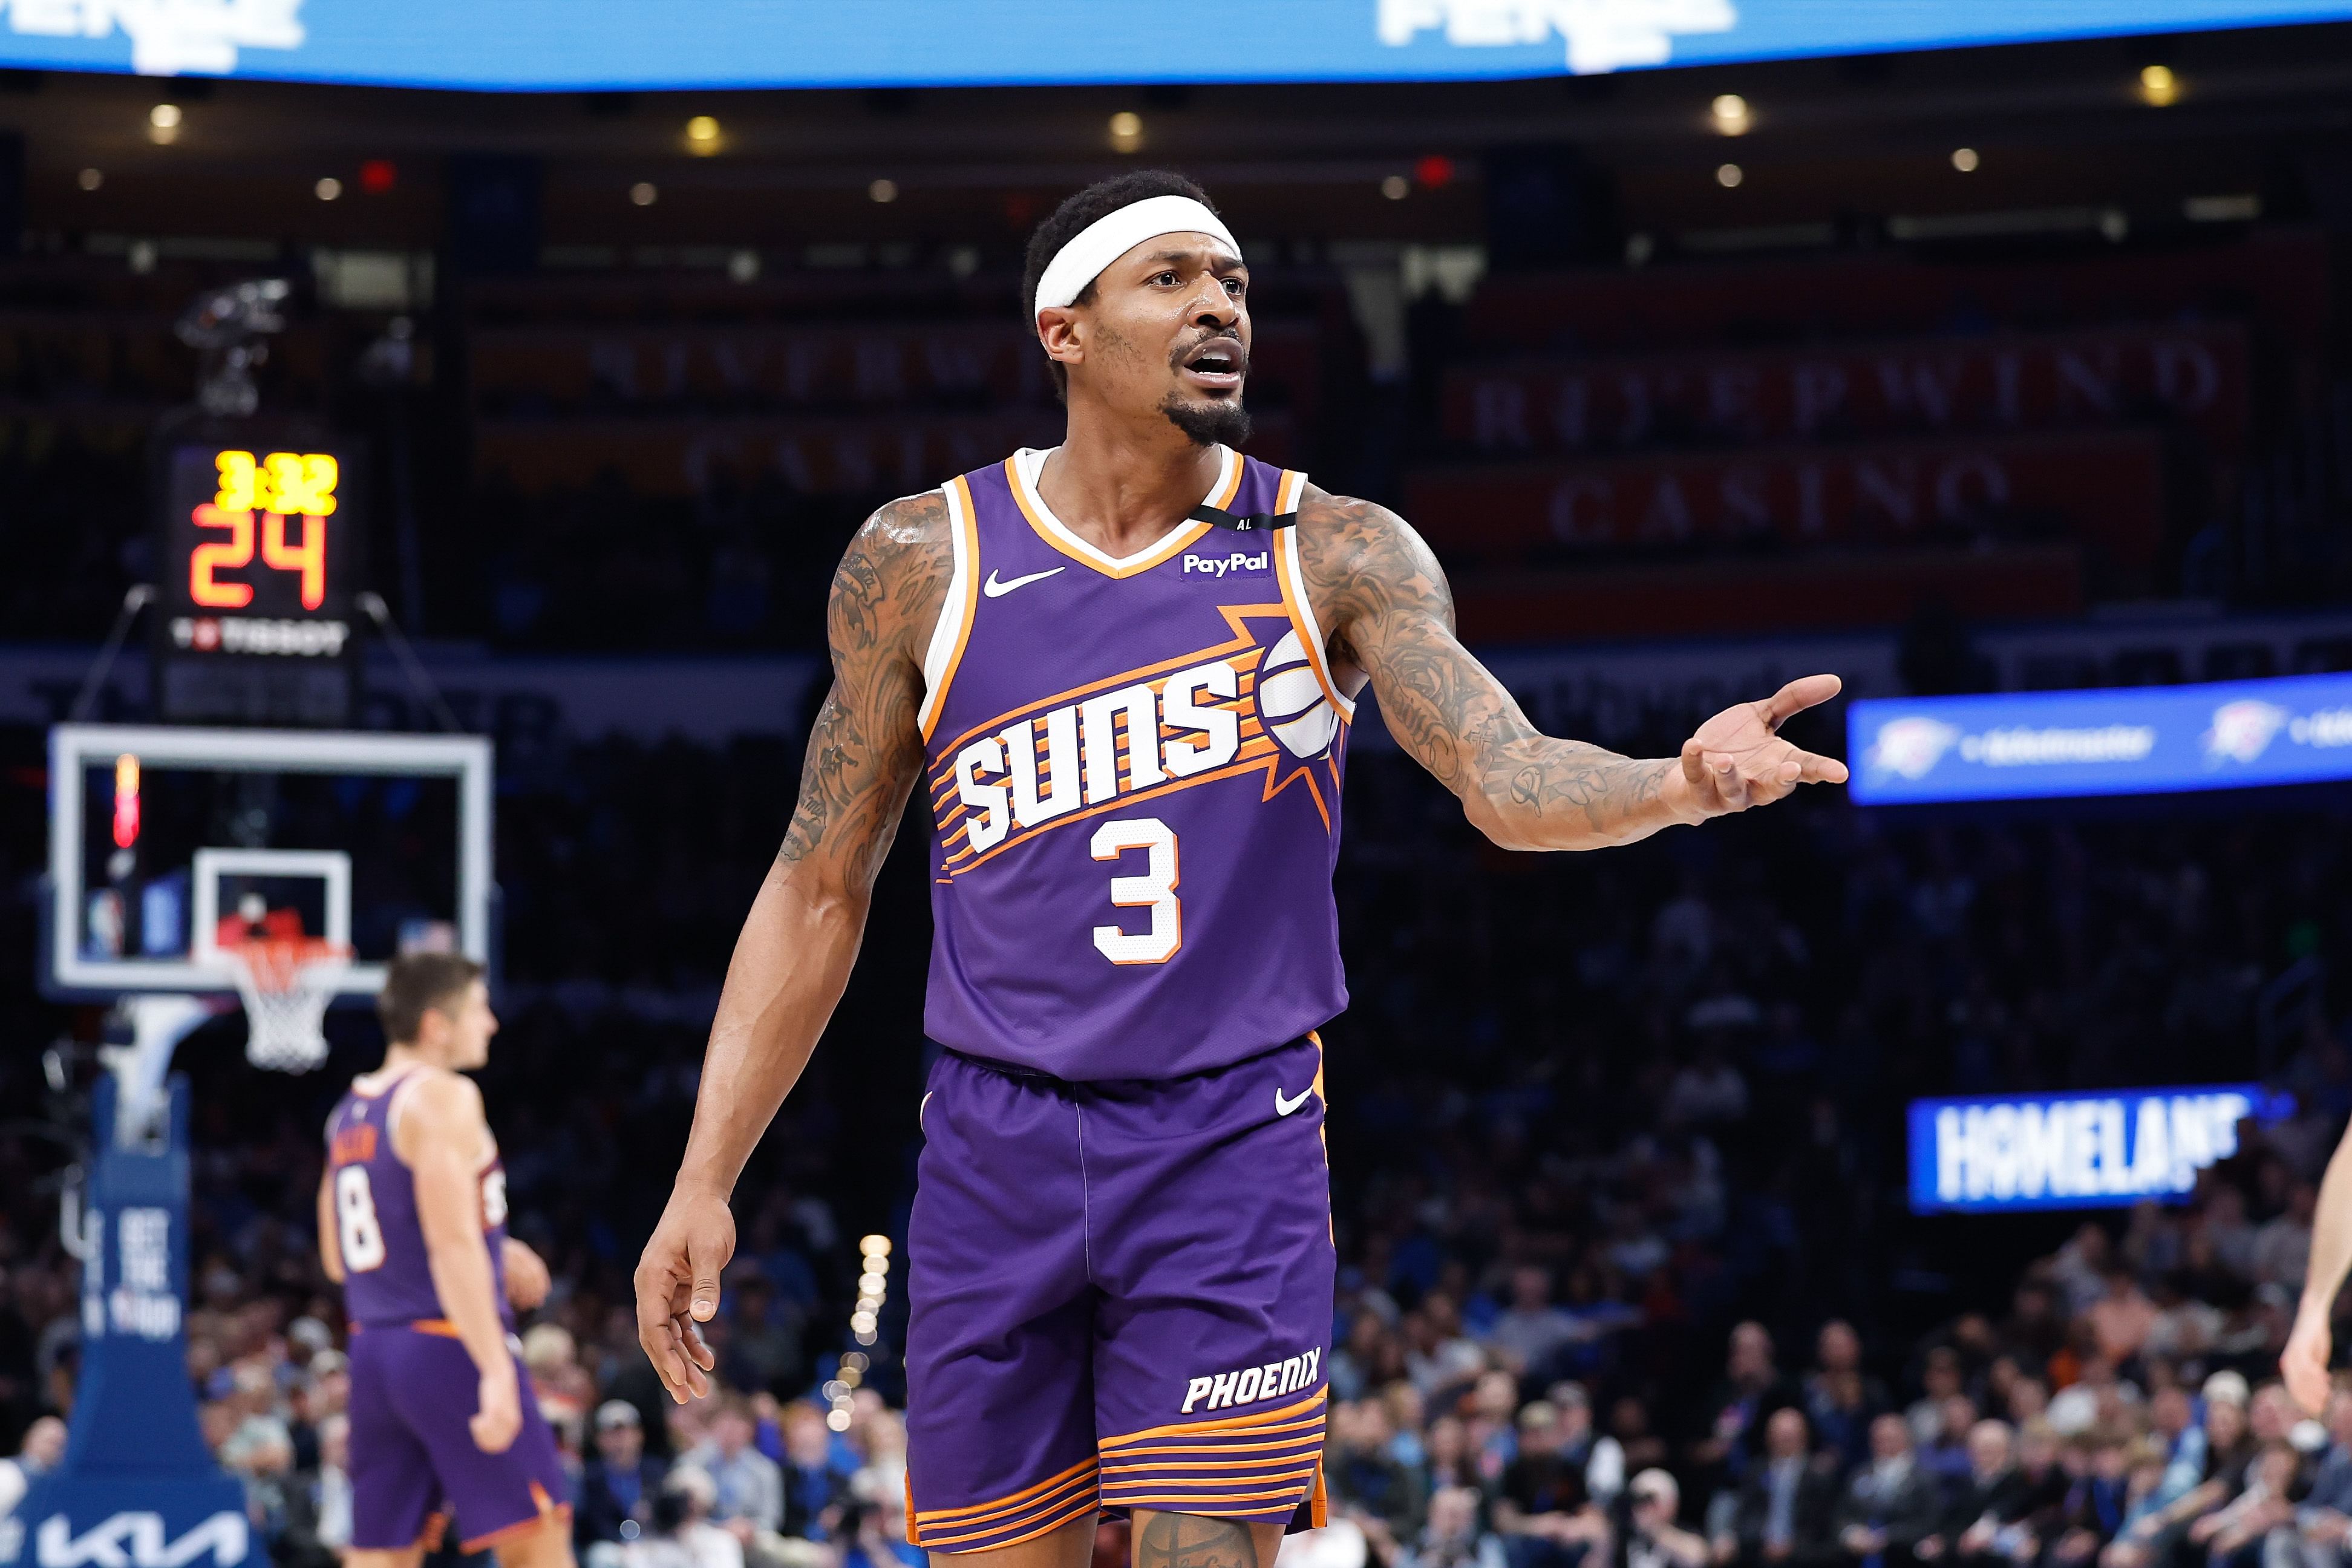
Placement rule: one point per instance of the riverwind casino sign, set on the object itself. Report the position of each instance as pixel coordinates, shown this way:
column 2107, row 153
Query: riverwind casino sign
column 2110, row 1150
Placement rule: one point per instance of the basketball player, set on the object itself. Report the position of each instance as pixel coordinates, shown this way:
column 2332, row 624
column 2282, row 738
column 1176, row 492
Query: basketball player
column 412, row 1224
column 2313, row 1343
column 1122, row 672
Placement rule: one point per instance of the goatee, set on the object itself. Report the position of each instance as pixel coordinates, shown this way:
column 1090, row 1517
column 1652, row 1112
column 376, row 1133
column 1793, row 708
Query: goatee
column 1207, row 424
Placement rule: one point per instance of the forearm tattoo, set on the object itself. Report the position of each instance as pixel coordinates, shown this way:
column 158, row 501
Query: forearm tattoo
column 1381, row 594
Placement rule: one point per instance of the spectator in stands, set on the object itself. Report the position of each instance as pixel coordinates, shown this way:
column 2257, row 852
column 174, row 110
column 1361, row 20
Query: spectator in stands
column 44, row 1445
column 2232, row 1535
column 2282, row 1246
column 1985, row 1500
column 816, row 1487
column 1600, row 1457
column 879, row 1538
column 2097, row 1499
column 1533, row 1331
column 319, row 1502
column 1749, row 1391
column 1545, row 1515
column 1890, row 1505
column 1840, row 1396
column 618, row 1484
column 1368, row 1484
column 1786, row 1501
column 1941, row 1376
column 1438, row 1356
column 1454, row 1537
column 748, row 1490
column 563, row 1387
column 1653, row 1536
column 2122, row 1319
column 682, row 1535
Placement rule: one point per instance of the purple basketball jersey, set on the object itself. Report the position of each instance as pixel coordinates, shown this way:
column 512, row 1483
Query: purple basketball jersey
column 386, row 1279
column 1134, row 766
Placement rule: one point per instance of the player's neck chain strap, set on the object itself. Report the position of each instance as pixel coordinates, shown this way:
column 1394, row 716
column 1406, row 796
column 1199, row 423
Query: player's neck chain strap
column 1240, row 522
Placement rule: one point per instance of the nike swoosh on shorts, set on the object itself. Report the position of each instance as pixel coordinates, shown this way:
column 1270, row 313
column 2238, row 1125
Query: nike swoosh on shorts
column 1283, row 1107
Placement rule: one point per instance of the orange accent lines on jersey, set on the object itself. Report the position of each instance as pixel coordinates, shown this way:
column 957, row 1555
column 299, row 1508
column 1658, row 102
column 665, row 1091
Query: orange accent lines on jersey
column 995, row 1505
column 1193, row 1504
column 943, row 787
column 441, row 1326
column 1224, row 1423
column 1082, row 1507
column 1301, row 1452
column 1308, row 1432
column 1266, row 760
column 1164, row 551
column 1242, row 642
column 965, row 1531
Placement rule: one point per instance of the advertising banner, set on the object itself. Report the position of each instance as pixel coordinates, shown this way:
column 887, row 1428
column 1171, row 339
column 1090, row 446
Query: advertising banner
column 2108, row 1149
column 576, row 44
column 2228, row 734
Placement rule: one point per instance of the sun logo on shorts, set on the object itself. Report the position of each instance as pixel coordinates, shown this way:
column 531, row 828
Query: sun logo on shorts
column 1291, row 702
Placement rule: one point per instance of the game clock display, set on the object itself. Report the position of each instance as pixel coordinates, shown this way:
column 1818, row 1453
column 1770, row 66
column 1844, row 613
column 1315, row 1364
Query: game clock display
column 257, row 557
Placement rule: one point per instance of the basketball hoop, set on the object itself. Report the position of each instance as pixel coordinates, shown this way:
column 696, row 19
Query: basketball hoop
column 285, row 982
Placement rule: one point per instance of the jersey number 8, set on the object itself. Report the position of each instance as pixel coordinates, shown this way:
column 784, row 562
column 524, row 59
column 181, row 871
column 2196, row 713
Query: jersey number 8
column 355, row 1223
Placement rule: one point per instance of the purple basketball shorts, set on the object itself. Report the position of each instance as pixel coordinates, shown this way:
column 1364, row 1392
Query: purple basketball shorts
column 1120, row 1297
column 413, row 1457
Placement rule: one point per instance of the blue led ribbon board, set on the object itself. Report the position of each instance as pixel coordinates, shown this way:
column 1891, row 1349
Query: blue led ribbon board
column 2230, row 734
column 571, row 44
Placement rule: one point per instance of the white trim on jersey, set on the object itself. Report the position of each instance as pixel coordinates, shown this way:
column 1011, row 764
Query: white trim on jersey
column 948, row 632
column 1029, row 462
column 1285, row 561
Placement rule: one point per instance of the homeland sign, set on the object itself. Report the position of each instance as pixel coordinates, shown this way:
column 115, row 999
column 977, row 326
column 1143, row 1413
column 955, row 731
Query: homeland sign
column 2107, row 1150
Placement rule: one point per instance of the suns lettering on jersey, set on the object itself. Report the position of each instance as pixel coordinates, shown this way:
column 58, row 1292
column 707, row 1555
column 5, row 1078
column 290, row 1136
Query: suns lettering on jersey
column 1134, row 736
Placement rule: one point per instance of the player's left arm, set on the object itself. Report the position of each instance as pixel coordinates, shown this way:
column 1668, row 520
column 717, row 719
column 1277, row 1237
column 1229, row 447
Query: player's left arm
column 1383, row 602
column 331, row 1249
column 528, row 1280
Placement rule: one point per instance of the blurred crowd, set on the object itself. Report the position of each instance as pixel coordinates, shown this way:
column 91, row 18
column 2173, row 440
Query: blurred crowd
column 1618, row 1174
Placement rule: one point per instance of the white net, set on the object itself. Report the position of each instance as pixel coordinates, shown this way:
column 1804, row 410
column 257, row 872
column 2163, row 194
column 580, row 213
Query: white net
column 285, row 985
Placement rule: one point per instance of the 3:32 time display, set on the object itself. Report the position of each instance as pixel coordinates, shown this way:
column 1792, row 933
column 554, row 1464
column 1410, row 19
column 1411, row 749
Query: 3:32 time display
column 255, row 509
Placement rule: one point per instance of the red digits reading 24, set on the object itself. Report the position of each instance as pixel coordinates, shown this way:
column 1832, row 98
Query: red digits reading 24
column 281, row 486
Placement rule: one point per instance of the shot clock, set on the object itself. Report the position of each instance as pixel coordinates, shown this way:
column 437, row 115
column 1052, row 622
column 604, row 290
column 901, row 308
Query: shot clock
column 258, row 552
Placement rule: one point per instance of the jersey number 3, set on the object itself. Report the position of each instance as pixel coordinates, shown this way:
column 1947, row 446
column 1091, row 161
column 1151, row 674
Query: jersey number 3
column 1154, row 890
column 355, row 1222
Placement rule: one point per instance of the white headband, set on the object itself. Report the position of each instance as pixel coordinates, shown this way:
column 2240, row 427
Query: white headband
column 1108, row 237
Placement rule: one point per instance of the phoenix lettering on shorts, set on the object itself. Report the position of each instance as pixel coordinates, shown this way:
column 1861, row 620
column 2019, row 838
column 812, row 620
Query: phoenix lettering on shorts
column 1248, row 1384
column 1239, row 563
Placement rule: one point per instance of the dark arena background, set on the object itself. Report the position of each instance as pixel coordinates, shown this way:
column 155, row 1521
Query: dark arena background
column 1992, row 357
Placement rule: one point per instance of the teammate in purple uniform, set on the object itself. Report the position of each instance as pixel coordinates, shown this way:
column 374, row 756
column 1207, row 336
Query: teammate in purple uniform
column 1123, row 673
column 413, row 1223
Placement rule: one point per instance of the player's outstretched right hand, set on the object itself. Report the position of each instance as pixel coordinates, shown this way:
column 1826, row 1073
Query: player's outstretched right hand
column 498, row 1411
column 678, row 1289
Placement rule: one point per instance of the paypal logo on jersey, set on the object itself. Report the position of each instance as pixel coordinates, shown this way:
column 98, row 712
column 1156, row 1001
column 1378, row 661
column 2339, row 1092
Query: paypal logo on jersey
column 1239, row 563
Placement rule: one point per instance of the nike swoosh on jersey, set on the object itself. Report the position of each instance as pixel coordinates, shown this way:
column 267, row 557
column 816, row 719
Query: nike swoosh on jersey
column 1283, row 1107
column 996, row 590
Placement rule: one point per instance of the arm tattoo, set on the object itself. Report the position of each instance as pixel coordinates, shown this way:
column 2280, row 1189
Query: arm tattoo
column 1195, row 1540
column 865, row 749
column 1380, row 594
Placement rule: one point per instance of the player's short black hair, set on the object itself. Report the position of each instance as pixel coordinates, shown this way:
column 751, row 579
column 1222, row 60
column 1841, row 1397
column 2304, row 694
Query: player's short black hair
column 419, row 983
column 1088, row 207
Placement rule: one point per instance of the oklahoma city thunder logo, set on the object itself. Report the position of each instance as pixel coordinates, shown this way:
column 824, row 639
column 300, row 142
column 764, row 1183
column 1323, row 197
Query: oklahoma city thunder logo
column 1290, row 701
